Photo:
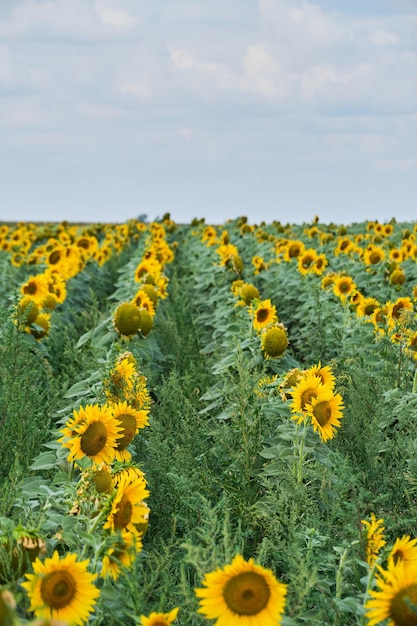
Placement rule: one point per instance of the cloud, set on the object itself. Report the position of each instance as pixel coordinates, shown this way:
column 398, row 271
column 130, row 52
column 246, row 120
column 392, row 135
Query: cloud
column 75, row 19
column 397, row 165
column 383, row 37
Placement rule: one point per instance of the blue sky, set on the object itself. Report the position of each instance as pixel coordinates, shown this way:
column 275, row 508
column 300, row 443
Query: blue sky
column 273, row 109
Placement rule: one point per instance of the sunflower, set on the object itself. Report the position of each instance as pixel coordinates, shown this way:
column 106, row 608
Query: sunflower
column 366, row 307
column 28, row 310
column 374, row 538
column 396, row 598
column 324, row 372
column 247, row 293
column 343, row 286
column 306, row 261
column 259, row 264
column 121, row 555
column 129, row 421
column 274, row 341
column 36, row 288
column 293, row 250
column 92, row 432
column 143, row 301
column 159, row 619
column 325, row 411
column 373, row 255
column 307, row 388
column 404, row 549
column 127, row 319
column 242, row 594
column 290, row 380
column 127, row 507
column 399, row 307
column 61, row 589
column 319, row 264
column 146, row 322
column 40, row 326
column 264, row 313
column 397, row 277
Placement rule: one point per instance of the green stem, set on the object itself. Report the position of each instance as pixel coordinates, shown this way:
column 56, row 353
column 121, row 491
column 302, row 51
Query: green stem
column 298, row 463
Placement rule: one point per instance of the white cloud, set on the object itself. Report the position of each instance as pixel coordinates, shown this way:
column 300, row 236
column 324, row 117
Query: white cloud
column 115, row 18
column 383, row 37
column 397, row 165
column 66, row 18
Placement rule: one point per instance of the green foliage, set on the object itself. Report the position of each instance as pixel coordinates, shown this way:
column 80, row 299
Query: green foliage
column 27, row 395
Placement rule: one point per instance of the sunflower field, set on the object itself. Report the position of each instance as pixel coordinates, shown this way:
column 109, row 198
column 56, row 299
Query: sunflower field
column 208, row 424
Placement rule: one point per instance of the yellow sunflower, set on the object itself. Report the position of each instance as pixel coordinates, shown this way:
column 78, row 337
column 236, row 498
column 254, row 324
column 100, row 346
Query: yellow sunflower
column 366, row 307
column 159, row 619
column 92, row 432
column 36, row 288
column 374, row 538
column 319, row 264
column 398, row 308
column 404, row 549
column 324, row 372
column 263, row 313
column 396, row 597
column 40, row 326
column 129, row 421
column 121, row 555
column 343, row 286
column 373, row 255
column 143, row 301
column 325, row 411
column 293, row 250
column 242, row 594
column 306, row 261
column 307, row 388
column 61, row 589
column 127, row 507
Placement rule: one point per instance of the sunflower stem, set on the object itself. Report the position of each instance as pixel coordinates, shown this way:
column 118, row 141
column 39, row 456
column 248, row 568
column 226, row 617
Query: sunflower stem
column 298, row 465
column 71, row 472
column 414, row 389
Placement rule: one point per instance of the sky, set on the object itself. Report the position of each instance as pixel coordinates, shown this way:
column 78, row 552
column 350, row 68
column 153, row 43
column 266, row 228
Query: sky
column 272, row 109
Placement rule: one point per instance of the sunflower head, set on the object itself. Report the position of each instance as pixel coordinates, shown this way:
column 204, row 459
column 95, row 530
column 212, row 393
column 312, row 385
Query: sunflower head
column 102, row 480
column 242, row 594
column 146, row 322
column 274, row 341
column 374, row 538
column 264, row 313
column 28, row 310
column 159, row 619
column 127, row 319
column 248, row 293
column 397, row 277
column 61, row 589
column 41, row 325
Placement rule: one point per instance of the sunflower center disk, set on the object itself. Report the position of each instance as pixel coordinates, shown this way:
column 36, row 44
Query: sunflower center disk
column 322, row 412
column 123, row 514
column 307, row 396
column 94, row 439
column 262, row 315
column 58, row 589
column 247, row 593
column 403, row 609
column 129, row 428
